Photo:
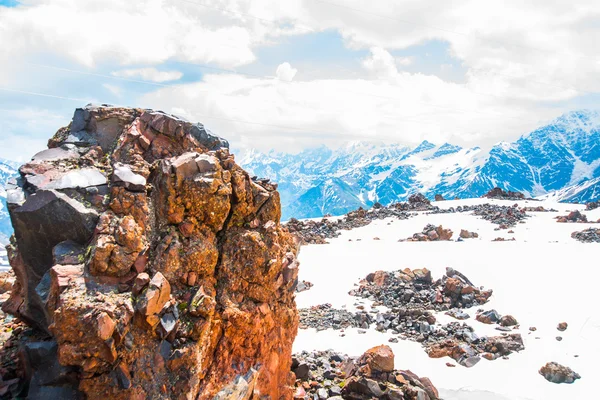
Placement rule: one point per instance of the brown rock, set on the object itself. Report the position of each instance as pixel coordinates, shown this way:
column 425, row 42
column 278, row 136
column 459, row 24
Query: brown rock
column 154, row 299
column 378, row 278
column 378, row 359
column 562, row 326
column 508, row 320
column 106, row 326
column 141, row 281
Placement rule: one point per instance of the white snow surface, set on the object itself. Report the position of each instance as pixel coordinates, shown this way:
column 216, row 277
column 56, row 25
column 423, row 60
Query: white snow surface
column 543, row 278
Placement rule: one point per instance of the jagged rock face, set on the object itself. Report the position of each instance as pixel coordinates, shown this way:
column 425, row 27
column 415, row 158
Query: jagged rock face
column 155, row 262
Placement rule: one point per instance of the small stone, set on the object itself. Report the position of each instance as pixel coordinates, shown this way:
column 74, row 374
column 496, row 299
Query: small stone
column 562, row 326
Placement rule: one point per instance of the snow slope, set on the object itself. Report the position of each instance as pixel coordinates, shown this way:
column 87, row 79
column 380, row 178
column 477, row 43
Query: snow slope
column 542, row 278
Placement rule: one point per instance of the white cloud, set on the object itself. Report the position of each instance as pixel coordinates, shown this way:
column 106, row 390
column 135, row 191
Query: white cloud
column 380, row 63
column 285, row 72
column 523, row 62
column 146, row 31
column 404, row 108
column 405, row 61
column 116, row 90
column 149, row 74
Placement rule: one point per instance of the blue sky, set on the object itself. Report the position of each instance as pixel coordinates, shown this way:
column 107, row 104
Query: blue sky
column 307, row 73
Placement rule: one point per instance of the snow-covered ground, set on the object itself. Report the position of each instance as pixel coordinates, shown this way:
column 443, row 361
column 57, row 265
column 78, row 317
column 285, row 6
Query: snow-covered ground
column 543, row 278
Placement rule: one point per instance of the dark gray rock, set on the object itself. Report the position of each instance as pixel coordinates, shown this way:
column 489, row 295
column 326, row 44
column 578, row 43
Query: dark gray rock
column 46, row 219
column 207, row 138
column 47, row 378
column 68, row 253
column 80, row 138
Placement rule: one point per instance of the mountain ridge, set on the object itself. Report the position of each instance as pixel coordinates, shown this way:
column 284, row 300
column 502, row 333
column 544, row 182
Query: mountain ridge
column 318, row 181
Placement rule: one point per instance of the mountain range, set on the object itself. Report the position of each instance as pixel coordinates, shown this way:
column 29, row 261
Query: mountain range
column 560, row 161
column 561, row 157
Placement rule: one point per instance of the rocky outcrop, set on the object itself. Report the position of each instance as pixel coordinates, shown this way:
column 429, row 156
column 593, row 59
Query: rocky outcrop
column 156, row 265
column 498, row 193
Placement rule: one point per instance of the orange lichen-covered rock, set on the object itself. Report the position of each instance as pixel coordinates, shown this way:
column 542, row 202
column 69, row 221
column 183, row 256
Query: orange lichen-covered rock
column 181, row 282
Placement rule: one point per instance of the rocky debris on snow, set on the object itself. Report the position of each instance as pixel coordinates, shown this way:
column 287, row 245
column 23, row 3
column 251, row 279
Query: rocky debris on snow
column 439, row 197
column 416, row 202
column 499, row 194
column 556, row 373
column 330, row 375
column 154, row 265
column 573, row 216
column 469, row 352
column 303, row 286
column 592, row 205
column 411, row 297
column 324, row 316
column 501, row 239
column 317, row 232
column 413, row 292
column 504, row 216
column 562, row 326
column 465, row 234
column 590, row 235
column 430, row 233
column 538, row 209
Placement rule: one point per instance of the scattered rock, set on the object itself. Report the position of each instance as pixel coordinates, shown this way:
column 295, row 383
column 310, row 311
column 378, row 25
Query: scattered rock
column 556, row 373
column 488, row 317
column 590, row 235
column 508, row 320
column 562, row 326
column 465, row 234
column 431, row 233
column 573, row 216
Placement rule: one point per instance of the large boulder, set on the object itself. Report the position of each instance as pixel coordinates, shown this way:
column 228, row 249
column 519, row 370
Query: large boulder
column 156, row 265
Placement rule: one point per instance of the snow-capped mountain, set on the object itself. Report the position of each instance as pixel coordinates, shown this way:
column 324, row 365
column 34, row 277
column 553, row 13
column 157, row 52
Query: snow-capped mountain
column 581, row 193
column 8, row 169
column 319, row 181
